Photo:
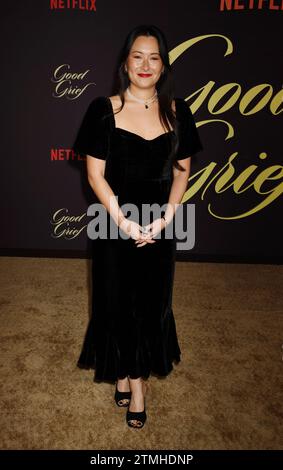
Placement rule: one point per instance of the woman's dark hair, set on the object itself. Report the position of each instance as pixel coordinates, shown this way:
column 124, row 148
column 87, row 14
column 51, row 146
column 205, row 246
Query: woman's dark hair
column 164, row 86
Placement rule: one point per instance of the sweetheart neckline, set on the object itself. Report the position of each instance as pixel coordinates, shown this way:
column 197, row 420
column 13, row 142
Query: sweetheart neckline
column 140, row 136
column 130, row 132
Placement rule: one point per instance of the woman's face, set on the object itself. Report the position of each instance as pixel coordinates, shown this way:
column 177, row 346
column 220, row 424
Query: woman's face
column 144, row 64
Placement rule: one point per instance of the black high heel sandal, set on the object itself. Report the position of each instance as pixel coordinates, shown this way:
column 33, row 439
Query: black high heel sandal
column 119, row 396
column 139, row 416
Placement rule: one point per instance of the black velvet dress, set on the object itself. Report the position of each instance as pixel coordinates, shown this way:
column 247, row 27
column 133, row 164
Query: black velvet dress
column 132, row 328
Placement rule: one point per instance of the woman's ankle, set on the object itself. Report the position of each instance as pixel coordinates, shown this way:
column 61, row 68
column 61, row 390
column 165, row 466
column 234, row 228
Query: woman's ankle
column 137, row 386
column 123, row 384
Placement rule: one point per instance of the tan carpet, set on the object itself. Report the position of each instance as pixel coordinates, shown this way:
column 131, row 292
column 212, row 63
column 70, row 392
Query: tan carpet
column 226, row 393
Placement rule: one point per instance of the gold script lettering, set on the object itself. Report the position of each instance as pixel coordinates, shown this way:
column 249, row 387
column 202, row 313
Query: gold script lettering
column 226, row 178
column 223, row 182
column 63, row 80
column 61, row 223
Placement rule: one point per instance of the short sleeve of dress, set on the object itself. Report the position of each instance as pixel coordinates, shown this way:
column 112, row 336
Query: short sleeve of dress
column 92, row 137
column 190, row 142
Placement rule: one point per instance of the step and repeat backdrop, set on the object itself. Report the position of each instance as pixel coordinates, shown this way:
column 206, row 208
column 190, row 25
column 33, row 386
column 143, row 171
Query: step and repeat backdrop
column 58, row 55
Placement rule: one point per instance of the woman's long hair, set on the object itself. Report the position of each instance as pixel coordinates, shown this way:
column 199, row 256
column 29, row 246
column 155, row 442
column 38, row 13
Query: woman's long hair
column 164, row 86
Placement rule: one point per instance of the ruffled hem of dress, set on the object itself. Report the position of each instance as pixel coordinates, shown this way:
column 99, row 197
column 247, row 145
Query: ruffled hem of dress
column 154, row 358
column 145, row 375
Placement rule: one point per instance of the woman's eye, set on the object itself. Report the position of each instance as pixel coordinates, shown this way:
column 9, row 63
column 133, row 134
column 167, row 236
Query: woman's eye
column 138, row 57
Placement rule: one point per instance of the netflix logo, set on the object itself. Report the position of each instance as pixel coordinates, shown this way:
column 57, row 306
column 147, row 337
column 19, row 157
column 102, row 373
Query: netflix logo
column 64, row 155
column 251, row 5
column 89, row 5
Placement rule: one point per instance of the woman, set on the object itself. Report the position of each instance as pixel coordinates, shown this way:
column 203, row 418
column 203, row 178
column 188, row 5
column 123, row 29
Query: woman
column 133, row 141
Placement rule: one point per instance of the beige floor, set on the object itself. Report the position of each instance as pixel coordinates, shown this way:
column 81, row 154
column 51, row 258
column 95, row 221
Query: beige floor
column 226, row 393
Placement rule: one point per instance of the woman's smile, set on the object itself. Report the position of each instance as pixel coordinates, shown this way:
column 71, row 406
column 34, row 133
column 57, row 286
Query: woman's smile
column 144, row 75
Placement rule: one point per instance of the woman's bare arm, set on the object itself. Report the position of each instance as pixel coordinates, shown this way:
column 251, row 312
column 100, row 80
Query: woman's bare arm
column 178, row 188
column 95, row 174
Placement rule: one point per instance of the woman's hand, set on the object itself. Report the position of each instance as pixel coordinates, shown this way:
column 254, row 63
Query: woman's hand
column 131, row 228
column 151, row 231
column 142, row 235
column 135, row 231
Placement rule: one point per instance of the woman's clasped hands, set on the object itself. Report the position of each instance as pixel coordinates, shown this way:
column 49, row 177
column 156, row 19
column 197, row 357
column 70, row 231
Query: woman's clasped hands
column 143, row 234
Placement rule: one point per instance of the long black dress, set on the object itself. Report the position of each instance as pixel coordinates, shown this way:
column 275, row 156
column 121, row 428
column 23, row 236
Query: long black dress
column 132, row 328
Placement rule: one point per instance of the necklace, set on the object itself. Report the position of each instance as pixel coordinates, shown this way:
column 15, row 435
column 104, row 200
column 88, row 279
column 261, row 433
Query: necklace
column 145, row 102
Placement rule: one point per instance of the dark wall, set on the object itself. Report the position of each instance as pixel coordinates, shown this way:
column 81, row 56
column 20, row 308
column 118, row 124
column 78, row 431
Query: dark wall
column 228, row 70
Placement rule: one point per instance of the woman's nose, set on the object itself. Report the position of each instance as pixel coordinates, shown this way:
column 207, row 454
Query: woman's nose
column 145, row 65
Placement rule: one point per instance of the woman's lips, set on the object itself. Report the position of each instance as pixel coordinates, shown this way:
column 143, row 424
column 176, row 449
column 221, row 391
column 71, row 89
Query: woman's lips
column 144, row 74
